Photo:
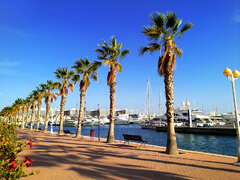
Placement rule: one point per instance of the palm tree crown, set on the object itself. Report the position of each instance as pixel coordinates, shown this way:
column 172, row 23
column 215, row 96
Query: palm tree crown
column 87, row 69
column 162, row 32
column 110, row 55
column 64, row 75
column 47, row 88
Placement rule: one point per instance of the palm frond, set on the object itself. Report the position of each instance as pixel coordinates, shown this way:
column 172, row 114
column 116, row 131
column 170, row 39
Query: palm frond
column 100, row 51
column 107, row 62
column 153, row 33
column 71, row 86
column 76, row 78
column 96, row 65
column 171, row 19
column 158, row 19
column 94, row 77
column 150, row 49
column 177, row 51
column 124, row 53
column 118, row 67
column 176, row 26
column 185, row 28
column 113, row 43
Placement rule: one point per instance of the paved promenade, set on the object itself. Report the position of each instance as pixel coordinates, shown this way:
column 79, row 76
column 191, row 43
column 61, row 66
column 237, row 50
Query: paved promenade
column 65, row 158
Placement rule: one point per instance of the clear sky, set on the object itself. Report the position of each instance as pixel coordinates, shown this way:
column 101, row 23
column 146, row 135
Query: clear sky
column 38, row 36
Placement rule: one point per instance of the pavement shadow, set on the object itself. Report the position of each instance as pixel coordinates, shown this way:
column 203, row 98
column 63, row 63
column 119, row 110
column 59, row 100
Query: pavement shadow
column 85, row 158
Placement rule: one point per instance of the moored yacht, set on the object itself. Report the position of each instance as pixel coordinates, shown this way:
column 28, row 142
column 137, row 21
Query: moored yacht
column 134, row 119
column 122, row 119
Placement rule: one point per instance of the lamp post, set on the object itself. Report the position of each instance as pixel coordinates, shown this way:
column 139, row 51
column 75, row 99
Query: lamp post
column 233, row 76
column 51, row 121
column 99, row 123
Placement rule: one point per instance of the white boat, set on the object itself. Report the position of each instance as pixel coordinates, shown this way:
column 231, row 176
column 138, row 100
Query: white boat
column 122, row 119
column 70, row 123
column 95, row 121
column 91, row 122
column 155, row 122
column 134, row 119
column 229, row 119
column 87, row 122
column 104, row 120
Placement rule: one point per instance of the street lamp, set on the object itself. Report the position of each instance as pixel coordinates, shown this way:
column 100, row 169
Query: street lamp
column 233, row 76
column 51, row 121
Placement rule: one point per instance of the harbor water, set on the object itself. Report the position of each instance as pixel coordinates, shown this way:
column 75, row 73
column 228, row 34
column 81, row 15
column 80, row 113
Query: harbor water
column 225, row 145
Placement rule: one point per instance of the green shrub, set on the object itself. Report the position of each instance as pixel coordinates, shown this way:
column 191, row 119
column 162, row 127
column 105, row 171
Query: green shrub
column 10, row 167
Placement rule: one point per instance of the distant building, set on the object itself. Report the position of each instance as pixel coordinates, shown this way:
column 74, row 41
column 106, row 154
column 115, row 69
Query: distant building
column 54, row 112
column 124, row 111
column 94, row 113
column 72, row 112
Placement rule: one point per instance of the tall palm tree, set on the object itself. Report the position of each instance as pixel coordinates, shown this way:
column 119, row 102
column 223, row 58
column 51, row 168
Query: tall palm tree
column 65, row 77
column 110, row 55
column 164, row 28
column 40, row 95
column 87, row 69
column 33, row 98
column 49, row 97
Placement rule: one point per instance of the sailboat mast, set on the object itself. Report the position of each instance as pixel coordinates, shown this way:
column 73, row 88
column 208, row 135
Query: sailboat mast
column 148, row 91
column 159, row 105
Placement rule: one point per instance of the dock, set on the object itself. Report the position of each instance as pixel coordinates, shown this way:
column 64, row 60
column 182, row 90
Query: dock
column 229, row 131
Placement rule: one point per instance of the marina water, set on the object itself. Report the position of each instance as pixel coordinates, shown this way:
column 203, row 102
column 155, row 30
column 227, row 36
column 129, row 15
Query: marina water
column 225, row 145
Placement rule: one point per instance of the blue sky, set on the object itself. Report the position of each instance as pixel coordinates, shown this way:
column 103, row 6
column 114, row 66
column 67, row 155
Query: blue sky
column 37, row 37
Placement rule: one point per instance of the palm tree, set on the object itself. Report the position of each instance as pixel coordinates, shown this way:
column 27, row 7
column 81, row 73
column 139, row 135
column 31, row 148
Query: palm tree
column 33, row 98
column 164, row 28
column 15, row 112
column 110, row 55
column 17, row 105
column 7, row 113
column 40, row 94
column 65, row 76
column 49, row 97
column 87, row 69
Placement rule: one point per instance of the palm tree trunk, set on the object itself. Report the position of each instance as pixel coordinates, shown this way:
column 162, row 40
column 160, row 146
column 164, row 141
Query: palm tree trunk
column 23, row 120
column 15, row 118
column 80, row 116
column 63, row 101
column 18, row 116
column 47, row 116
column 110, row 138
column 172, row 148
column 39, row 111
column 33, row 116
column 27, row 117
